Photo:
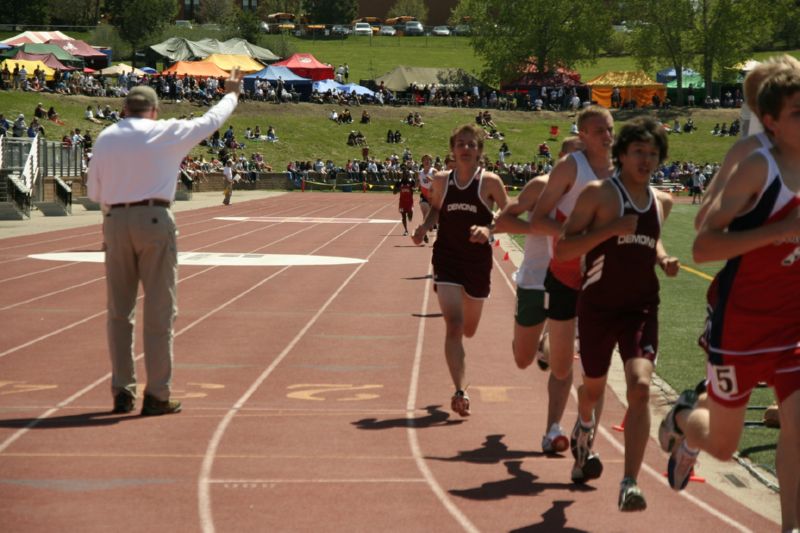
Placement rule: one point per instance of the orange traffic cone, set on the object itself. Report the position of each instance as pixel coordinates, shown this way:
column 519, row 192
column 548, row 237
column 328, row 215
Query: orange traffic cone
column 505, row 257
column 496, row 243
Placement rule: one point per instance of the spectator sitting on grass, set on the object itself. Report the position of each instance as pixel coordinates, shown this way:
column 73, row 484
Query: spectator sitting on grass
column 271, row 136
column 89, row 115
column 20, row 127
column 365, row 118
column 398, row 138
column 35, row 128
column 417, row 120
column 39, row 112
column 390, row 136
column 52, row 115
column 334, row 116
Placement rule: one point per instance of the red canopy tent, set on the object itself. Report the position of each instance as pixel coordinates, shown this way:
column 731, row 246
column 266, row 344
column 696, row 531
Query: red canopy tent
column 90, row 55
column 48, row 59
column 531, row 77
column 307, row 66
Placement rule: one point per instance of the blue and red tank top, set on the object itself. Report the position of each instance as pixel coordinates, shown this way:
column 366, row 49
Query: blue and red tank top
column 619, row 273
column 462, row 207
column 754, row 298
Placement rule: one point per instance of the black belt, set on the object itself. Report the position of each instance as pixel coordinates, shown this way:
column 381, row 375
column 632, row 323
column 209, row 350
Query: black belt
column 150, row 202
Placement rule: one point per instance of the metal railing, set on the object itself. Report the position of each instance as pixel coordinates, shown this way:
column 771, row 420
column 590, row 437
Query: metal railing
column 61, row 161
column 63, row 194
column 19, row 196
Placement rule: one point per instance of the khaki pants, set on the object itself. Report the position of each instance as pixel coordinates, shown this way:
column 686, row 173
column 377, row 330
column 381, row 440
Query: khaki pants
column 141, row 246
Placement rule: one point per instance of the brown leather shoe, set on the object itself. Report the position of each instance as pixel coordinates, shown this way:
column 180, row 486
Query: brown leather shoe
column 123, row 403
column 152, row 406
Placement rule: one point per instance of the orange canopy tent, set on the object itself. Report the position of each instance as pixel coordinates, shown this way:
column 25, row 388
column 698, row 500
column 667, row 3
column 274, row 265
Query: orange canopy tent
column 635, row 85
column 204, row 69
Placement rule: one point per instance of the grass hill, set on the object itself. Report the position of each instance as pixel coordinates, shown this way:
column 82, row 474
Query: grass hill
column 305, row 132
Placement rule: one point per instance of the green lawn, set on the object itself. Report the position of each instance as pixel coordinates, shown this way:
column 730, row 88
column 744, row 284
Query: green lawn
column 305, row 133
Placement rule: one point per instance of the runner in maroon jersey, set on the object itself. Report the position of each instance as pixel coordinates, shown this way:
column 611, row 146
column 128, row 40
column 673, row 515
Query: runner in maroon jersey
column 754, row 332
column 406, row 205
column 616, row 223
column 460, row 199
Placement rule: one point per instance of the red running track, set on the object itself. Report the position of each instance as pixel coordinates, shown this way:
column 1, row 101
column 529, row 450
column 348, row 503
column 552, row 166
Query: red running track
column 315, row 398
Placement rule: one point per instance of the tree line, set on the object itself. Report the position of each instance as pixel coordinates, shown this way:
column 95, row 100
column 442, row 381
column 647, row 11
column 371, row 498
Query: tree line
column 706, row 35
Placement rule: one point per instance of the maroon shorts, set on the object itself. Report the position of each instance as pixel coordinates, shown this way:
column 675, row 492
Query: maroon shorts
column 475, row 279
column 731, row 381
column 634, row 331
column 407, row 209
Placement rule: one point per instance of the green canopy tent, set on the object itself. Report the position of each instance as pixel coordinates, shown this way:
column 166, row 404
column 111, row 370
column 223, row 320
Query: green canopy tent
column 180, row 49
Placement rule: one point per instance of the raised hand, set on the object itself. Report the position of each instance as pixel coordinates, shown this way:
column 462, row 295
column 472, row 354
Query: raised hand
column 234, row 82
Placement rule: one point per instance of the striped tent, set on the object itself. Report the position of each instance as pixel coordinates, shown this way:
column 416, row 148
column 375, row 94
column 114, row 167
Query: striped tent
column 39, row 37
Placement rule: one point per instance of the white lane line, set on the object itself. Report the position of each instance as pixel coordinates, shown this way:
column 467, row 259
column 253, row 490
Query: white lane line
column 84, row 320
column 314, row 480
column 97, row 243
column 20, row 432
column 216, row 259
column 411, row 431
column 312, row 220
column 647, row 468
column 203, row 486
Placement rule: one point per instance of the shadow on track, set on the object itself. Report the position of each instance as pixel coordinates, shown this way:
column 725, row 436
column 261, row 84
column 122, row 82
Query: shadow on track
column 554, row 519
column 103, row 418
column 492, row 451
column 435, row 418
column 521, row 483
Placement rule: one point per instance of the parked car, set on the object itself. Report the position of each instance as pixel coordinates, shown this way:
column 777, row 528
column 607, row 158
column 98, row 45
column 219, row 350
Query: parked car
column 461, row 29
column 387, row 30
column 413, row 27
column 441, row 31
column 362, row 28
column 339, row 29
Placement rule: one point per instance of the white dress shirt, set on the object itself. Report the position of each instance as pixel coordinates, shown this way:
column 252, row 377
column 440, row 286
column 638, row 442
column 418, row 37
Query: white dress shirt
column 139, row 159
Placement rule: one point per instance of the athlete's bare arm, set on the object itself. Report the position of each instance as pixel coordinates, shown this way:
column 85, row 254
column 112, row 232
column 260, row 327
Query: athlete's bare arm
column 741, row 149
column 508, row 220
column 493, row 192
column 562, row 178
column 594, row 220
column 436, row 196
column 669, row 264
column 714, row 242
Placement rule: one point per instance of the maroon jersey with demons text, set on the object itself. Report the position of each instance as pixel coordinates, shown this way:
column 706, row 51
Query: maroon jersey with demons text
column 462, row 208
column 754, row 298
column 619, row 273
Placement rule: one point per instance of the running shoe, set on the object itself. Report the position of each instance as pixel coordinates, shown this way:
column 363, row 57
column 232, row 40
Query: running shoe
column 630, row 496
column 577, row 430
column 460, row 403
column 592, row 469
column 680, row 466
column 405, row 234
column 669, row 434
column 425, row 239
column 556, row 441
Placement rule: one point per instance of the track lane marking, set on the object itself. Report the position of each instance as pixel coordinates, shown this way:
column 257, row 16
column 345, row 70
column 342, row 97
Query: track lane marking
column 413, row 440
column 203, row 487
